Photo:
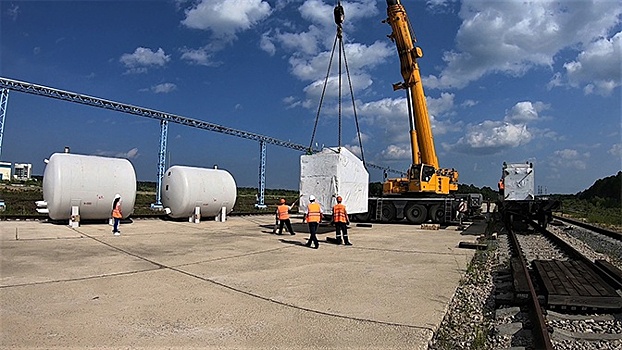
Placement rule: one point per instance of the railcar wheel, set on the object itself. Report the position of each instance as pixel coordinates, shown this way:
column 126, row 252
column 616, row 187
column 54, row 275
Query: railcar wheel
column 389, row 213
column 436, row 213
column 415, row 213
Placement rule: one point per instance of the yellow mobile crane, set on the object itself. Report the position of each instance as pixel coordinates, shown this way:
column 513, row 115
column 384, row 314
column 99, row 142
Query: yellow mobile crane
column 424, row 194
column 424, row 174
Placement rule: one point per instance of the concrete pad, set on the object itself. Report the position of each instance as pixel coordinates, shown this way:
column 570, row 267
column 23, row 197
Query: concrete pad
column 167, row 284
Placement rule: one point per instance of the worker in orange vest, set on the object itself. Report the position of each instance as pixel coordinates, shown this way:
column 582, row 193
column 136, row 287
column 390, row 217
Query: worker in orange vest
column 313, row 217
column 282, row 214
column 501, row 186
column 116, row 214
column 341, row 221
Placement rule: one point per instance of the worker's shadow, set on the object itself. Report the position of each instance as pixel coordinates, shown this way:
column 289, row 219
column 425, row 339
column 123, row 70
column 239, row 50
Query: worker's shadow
column 287, row 241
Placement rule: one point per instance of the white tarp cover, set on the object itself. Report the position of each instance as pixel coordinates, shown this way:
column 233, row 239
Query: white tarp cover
column 329, row 174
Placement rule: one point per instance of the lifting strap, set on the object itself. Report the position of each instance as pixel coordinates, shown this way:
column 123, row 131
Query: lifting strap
column 339, row 15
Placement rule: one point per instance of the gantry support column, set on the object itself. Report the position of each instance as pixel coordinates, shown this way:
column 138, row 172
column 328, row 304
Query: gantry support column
column 262, row 175
column 161, row 163
column 4, row 98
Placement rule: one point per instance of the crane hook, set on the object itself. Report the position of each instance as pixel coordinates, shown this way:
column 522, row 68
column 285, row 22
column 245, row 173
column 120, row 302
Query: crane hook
column 339, row 14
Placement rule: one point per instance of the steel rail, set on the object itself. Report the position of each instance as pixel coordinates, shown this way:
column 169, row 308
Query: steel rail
column 574, row 253
column 602, row 231
column 542, row 340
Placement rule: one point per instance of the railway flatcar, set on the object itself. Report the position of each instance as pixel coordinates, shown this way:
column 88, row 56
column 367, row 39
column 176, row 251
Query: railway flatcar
column 517, row 198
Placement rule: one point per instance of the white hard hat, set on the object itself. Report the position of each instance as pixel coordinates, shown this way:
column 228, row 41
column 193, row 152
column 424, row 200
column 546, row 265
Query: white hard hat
column 311, row 198
column 117, row 196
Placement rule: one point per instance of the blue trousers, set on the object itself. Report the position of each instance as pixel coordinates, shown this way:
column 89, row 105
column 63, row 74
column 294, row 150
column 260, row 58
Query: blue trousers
column 313, row 231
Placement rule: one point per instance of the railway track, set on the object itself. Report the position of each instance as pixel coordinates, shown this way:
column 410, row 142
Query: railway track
column 561, row 296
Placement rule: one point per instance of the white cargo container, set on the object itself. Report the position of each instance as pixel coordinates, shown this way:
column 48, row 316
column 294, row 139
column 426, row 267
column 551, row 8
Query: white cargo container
column 331, row 173
column 519, row 181
column 186, row 188
column 88, row 182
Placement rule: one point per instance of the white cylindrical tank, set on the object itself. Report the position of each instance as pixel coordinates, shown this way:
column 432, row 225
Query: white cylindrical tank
column 185, row 188
column 89, row 182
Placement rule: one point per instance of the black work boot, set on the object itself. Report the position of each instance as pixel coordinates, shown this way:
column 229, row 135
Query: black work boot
column 347, row 242
column 338, row 240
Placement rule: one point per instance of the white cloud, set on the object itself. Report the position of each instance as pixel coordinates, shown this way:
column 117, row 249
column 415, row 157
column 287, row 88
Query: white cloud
column 143, row 58
column 355, row 149
column 616, row 151
column 438, row 3
column 389, row 120
column 361, row 59
column 314, row 90
column 225, row 18
column 131, row 154
column 304, row 43
column 201, row 56
column 491, row 137
column 13, row 12
column 569, row 159
column 291, row 102
column 498, row 36
column 525, row 112
column 266, row 44
column 163, row 88
column 597, row 68
column 319, row 34
column 469, row 103
column 321, row 14
column 394, row 152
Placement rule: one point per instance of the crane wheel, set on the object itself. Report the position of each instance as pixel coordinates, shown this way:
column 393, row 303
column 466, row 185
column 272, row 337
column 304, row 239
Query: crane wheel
column 415, row 213
column 389, row 213
column 436, row 213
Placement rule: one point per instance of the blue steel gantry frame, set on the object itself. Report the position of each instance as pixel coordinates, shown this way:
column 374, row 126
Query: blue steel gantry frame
column 4, row 97
column 164, row 118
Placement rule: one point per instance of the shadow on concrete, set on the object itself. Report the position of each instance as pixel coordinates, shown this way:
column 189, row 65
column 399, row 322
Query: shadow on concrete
column 287, row 241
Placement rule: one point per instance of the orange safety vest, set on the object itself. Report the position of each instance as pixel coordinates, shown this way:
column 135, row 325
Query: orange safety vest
column 116, row 212
column 339, row 213
column 501, row 185
column 314, row 213
column 283, row 212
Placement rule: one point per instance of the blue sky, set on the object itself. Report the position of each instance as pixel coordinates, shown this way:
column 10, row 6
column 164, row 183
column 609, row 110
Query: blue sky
column 505, row 80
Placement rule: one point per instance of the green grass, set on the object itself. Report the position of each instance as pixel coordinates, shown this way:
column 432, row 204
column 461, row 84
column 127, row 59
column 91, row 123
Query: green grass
column 595, row 211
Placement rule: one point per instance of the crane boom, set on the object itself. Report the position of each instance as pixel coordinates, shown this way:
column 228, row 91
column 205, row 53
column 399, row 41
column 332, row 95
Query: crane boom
column 424, row 175
column 422, row 140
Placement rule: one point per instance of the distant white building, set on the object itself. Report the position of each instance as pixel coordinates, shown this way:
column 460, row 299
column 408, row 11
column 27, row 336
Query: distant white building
column 5, row 171
column 22, row 171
